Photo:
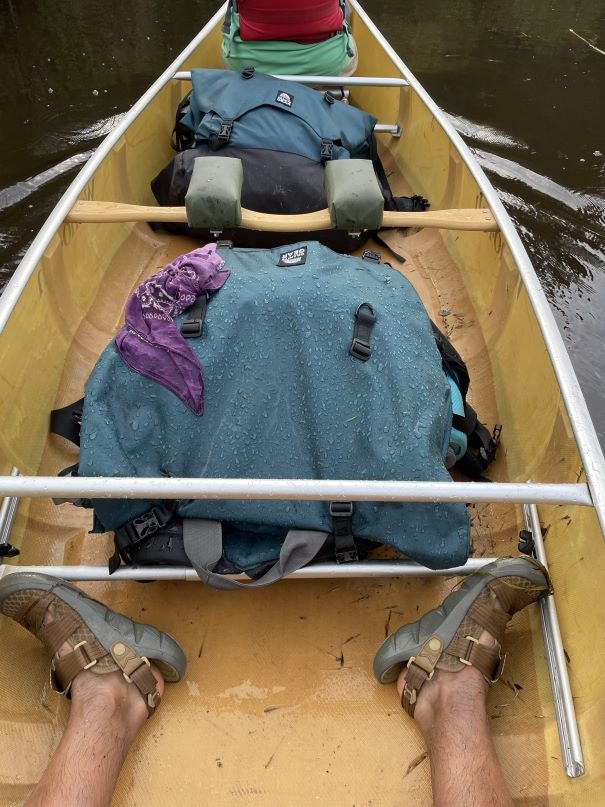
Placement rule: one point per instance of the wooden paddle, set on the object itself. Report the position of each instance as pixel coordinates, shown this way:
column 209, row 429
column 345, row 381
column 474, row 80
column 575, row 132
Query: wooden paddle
column 462, row 219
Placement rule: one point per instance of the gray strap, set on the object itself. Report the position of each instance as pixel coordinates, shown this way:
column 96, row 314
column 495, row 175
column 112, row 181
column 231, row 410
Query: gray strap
column 203, row 542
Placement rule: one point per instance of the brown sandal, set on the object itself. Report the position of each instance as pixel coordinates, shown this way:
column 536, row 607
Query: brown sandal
column 447, row 637
column 102, row 640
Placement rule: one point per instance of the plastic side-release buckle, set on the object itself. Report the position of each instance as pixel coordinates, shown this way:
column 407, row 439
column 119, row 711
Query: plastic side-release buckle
column 217, row 141
column 327, row 147
column 225, row 132
column 365, row 318
column 192, row 327
column 371, row 255
column 345, row 549
column 145, row 525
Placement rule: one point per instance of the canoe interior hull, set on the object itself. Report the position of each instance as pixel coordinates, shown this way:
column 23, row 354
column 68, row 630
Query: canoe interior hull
column 279, row 705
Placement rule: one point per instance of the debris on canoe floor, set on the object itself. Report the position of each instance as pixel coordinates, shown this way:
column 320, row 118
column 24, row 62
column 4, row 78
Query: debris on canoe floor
column 415, row 762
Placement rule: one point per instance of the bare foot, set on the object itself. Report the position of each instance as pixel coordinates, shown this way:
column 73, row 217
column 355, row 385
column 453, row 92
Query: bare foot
column 451, row 691
column 110, row 692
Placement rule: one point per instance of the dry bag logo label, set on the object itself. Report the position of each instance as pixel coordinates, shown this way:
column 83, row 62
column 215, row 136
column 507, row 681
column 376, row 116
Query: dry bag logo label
column 284, row 98
column 295, row 257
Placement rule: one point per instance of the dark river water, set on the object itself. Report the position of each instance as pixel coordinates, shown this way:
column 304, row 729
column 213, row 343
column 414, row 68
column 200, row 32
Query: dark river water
column 524, row 90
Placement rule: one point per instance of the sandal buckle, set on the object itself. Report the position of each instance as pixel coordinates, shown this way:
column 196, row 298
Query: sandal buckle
column 127, row 677
column 470, row 639
column 410, row 695
column 153, row 699
column 91, row 662
column 420, row 663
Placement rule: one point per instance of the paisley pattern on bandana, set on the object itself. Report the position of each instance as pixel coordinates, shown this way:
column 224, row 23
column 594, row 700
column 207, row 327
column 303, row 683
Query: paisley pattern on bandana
column 150, row 342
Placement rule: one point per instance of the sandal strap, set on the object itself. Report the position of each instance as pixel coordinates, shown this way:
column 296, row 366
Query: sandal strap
column 63, row 670
column 512, row 597
column 489, row 619
column 55, row 634
column 487, row 659
column 33, row 616
column 137, row 670
column 421, row 669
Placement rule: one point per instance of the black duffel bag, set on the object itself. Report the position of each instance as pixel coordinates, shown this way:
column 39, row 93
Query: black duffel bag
column 275, row 182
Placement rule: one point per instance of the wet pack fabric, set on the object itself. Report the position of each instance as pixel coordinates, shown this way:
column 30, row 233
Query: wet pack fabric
column 287, row 396
column 276, row 182
column 253, row 110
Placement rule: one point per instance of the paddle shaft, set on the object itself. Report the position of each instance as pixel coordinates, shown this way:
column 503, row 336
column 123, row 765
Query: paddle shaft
column 99, row 212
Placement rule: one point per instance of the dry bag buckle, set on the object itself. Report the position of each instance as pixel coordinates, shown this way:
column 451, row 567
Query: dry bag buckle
column 345, row 549
column 327, row 147
column 365, row 318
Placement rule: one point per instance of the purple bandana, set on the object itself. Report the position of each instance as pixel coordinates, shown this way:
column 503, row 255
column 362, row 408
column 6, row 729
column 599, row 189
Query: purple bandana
column 150, row 342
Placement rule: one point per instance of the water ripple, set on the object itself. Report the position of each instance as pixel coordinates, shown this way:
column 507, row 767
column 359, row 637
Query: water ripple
column 509, row 169
column 96, row 130
column 483, row 133
column 21, row 190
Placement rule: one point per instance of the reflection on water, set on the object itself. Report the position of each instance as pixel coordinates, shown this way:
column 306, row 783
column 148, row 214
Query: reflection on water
column 523, row 91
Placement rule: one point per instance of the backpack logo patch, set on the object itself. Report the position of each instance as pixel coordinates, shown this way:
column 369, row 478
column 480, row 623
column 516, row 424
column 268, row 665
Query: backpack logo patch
column 284, row 98
column 296, row 257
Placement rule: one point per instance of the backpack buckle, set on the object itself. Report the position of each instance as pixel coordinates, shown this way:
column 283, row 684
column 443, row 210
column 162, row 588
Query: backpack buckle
column 147, row 524
column 345, row 549
column 327, row 146
column 371, row 255
column 360, row 350
column 365, row 318
column 223, row 136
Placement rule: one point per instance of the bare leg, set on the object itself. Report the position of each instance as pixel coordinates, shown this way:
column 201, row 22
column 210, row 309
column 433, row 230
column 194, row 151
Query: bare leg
column 106, row 714
column 451, row 714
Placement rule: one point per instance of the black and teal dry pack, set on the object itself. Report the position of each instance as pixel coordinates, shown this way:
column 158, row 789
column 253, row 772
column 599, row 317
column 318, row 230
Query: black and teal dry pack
column 316, row 366
column 284, row 133
column 253, row 110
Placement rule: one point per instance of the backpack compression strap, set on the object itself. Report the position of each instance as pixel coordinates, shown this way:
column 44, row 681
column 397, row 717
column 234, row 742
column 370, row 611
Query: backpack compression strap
column 203, row 541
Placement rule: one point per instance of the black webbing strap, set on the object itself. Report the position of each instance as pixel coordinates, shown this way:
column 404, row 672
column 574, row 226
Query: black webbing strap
column 365, row 319
column 345, row 548
column 193, row 325
column 182, row 137
column 396, row 203
column 138, row 530
column 452, row 362
column 226, row 26
column 66, row 421
column 482, row 444
column 72, row 470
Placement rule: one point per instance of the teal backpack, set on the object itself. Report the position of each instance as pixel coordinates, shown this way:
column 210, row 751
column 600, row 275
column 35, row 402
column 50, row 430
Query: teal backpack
column 253, row 110
column 316, row 365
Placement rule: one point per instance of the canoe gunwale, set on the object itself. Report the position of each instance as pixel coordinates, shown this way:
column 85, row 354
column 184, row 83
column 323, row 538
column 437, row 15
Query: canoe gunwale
column 583, row 428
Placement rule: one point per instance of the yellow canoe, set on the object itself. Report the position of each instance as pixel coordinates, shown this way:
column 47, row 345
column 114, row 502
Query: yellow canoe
column 279, row 705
